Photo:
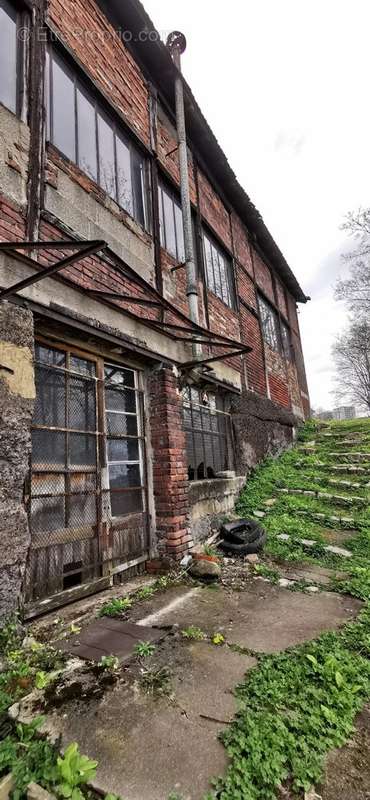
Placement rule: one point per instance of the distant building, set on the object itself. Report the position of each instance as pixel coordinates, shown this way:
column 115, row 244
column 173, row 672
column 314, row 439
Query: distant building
column 344, row 412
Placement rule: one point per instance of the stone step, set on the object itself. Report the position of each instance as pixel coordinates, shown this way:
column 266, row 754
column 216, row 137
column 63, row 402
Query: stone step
column 336, row 498
column 345, row 522
column 349, row 468
column 354, row 456
column 347, row 484
column 311, row 574
column 310, row 543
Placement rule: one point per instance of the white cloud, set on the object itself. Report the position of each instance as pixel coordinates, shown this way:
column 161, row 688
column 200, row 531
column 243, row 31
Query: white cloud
column 284, row 86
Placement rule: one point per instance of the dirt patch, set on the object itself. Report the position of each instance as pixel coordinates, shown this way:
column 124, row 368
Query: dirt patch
column 347, row 773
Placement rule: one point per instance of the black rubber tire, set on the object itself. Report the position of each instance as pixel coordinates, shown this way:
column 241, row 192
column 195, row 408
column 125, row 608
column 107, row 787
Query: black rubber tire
column 244, row 537
column 245, row 548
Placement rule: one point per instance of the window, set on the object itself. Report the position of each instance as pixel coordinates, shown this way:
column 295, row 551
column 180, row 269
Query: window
column 83, row 132
column 8, row 56
column 170, row 222
column 207, row 428
column 269, row 324
column 287, row 346
column 218, row 269
column 124, row 445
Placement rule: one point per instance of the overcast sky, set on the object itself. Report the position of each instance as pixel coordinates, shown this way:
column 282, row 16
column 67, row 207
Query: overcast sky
column 284, row 85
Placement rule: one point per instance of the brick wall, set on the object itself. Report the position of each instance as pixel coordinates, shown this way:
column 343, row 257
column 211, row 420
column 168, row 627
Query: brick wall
column 255, row 365
column 263, row 276
column 170, row 476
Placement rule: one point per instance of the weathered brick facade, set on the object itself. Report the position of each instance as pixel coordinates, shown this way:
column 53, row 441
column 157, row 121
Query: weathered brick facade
column 133, row 84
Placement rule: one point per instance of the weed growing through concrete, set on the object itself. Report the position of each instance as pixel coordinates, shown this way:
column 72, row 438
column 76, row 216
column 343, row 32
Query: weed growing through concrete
column 194, row 633
column 144, row 649
column 115, row 607
column 297, row 705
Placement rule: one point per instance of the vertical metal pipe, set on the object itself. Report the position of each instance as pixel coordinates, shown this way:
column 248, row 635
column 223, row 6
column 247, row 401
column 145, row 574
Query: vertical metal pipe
column 176, row 43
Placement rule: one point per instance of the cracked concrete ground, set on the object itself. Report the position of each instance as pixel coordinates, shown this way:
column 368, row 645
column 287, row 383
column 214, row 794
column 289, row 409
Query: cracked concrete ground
column 149, row 747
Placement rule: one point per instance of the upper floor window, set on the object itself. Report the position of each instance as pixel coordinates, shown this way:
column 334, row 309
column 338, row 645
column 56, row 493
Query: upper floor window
column 218, row 271
column 269, row 324
column 287, row 345
column 170, row 223
column 8, row 56
column 80, row 128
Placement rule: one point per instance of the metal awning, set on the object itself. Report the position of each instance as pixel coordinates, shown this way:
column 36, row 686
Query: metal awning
column 172, row 323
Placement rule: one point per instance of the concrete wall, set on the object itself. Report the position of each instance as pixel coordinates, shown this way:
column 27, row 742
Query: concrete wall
column 17, row 392
column 262, row 428
column 210, row 502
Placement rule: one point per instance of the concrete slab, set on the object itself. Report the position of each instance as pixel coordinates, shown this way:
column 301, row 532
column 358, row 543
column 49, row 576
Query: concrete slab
column 147, row 748
column 106, row 637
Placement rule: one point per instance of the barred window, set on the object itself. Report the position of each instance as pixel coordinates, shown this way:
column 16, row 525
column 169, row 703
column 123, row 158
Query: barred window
column 218, row 268
column 207, row 427
column 269, row 324
column 79, row 127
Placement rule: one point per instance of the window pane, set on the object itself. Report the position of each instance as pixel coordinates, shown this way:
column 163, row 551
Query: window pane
column 81, row 510
column 107, row 173
column 63, row 109
column 50, row 398
column 138, row 186
column 82, row 449
column 47, row 355
column 48, row 448
column 179, row 233
column 82, row 365
column 169, row 223
column 119, row 375
column 209, row 264
column 121, row 476
column 8, row 55
column 124, row 176
column 123, row 450
column 126, row 502
column 122, row 424
column 86, row 135
column 117, row 399
column 81, row 404
column 47, row 514
column 161, row 218
column 216, row 268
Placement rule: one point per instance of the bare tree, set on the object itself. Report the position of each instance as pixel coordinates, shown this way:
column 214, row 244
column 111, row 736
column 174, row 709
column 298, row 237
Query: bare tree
column 355, row 290
column 351, row 353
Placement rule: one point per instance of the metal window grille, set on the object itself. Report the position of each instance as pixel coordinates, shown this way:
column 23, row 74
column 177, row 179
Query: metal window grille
column 208, row 434
column 87, row 496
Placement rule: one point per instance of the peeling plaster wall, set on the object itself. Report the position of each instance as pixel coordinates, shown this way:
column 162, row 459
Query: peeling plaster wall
column 17, row 393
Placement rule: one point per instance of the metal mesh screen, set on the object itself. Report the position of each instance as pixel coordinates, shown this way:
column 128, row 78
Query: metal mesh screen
column 207, row 428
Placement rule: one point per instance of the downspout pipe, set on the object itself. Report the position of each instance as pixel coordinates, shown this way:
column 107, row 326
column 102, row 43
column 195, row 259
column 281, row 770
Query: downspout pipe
column 176, row 43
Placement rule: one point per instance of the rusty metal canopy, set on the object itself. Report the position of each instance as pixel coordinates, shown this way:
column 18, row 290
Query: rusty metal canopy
column 187, row 332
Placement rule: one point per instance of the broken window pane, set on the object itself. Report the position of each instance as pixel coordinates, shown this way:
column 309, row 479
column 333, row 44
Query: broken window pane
column 269, row 324
column 8, row 55
column 107, row 168
column 119, row 376
column 63, row 94
column 87, row 159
